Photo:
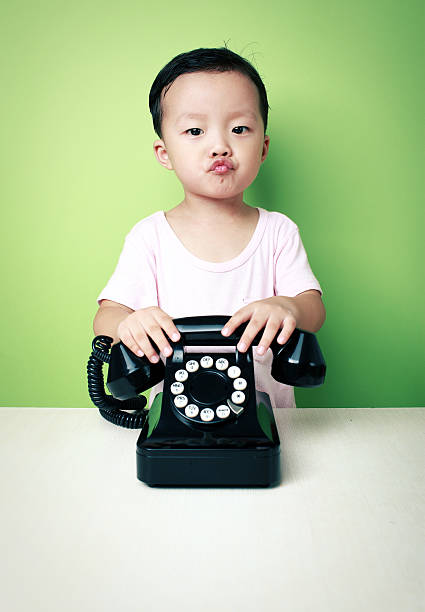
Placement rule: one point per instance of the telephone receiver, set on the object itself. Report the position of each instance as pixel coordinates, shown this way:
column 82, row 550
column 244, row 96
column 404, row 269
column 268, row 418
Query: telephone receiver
column 299, row 363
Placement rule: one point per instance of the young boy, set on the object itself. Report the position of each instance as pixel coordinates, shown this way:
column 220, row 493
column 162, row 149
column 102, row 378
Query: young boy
column 212, row 253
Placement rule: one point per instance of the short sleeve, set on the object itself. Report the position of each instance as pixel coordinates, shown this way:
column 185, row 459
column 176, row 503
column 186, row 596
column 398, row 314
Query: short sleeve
column 293, row 273
column 133, row 282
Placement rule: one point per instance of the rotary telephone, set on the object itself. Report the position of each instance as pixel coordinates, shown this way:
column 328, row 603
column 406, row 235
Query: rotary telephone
column 209, row 426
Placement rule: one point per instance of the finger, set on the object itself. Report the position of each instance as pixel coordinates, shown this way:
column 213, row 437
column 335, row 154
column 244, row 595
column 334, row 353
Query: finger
column 288, row 327
column 134, row 331
column 155, row 332
column 164, row 324
column 134, row 345
column 270, row 331
column 167, row 324
column 254, row 326
column 235, row 321
column 146, row 347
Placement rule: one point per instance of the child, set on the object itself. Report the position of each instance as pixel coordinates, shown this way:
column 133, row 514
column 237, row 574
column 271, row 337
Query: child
column 212, row 253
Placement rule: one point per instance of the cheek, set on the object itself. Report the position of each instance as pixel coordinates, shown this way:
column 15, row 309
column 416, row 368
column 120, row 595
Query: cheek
column 254, row 151
column 187, row 172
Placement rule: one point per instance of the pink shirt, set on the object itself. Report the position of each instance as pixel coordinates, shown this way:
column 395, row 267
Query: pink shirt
column 155, row 269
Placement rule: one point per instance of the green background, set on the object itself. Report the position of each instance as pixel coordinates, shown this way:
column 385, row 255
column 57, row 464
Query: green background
column 345, row 86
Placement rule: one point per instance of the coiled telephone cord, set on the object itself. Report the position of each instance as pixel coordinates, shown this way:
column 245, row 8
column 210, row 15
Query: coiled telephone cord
column 110, row 408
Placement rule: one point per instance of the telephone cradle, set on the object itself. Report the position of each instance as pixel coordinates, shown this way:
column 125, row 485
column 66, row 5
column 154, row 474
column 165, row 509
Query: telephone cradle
column 209, row 426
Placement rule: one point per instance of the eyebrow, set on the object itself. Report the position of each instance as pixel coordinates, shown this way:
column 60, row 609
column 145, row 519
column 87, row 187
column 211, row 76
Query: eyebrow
column 241, row 113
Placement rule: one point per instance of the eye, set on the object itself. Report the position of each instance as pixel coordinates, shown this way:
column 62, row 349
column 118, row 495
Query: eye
column 241, row 127
column 192, row 129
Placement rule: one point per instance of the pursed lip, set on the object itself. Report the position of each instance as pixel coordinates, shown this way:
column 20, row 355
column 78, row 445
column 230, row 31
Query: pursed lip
column 221, row 162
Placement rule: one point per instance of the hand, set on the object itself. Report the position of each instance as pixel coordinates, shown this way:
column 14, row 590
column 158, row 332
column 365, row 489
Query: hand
column 136, row 329
column 270, row 314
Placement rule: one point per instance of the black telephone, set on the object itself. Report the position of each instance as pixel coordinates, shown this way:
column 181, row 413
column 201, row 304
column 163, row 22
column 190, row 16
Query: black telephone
column 209, row 426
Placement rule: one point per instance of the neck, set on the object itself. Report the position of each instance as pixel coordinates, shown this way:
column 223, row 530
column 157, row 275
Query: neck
column 205, row 209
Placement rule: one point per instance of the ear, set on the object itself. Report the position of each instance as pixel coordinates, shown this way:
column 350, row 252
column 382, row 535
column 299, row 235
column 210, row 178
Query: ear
column 265, row 149
column 161, row 154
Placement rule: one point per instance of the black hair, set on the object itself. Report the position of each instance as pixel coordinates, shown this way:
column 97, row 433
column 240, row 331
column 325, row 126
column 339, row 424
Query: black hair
column 203, row 60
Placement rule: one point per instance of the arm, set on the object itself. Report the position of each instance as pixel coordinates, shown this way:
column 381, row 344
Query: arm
column 307, row 308
column 108, row 317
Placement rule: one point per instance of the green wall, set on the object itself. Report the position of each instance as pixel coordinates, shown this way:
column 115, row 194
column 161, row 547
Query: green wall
column 345, row 86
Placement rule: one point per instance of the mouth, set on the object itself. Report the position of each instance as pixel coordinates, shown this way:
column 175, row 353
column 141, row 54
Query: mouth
column 221, row 166
column 221, row 170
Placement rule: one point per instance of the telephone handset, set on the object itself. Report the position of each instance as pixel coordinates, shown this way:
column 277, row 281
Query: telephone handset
column 209, row 426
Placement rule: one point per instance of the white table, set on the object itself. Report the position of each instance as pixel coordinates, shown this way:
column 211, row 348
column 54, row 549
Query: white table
column 343, row 533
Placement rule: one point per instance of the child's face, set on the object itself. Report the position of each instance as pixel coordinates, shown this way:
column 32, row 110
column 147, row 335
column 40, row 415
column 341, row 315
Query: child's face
column 227, row 101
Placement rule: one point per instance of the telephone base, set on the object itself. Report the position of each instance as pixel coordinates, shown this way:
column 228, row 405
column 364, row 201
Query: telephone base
column 243, row 454
column 249, row 468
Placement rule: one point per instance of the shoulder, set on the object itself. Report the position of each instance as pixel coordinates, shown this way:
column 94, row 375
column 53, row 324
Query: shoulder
column 279, row 220
column 279, row 226
column 142, row 238
column 146, row 230
column 147, row 224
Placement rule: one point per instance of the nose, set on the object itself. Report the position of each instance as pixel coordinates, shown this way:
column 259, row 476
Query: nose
column 221, row 147
column 221, row 152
